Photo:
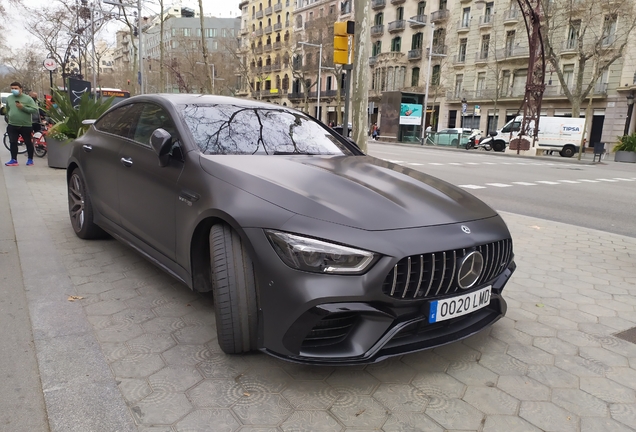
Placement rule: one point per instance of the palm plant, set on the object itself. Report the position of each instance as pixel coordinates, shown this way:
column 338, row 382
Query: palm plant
column 626, row 143
column 68, row 119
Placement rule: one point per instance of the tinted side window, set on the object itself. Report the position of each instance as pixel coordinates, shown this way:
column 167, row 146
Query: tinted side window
column 153, row 117
column 117, row 122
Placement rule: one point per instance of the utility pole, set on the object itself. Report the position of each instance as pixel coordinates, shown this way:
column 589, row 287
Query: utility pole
column 361, row 54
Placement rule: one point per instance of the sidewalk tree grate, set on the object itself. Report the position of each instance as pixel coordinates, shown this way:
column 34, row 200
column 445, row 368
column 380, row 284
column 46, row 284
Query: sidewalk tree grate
column 629, row 335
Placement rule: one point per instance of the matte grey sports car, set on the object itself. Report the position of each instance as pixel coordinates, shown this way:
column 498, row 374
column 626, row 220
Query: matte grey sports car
column 313, row 251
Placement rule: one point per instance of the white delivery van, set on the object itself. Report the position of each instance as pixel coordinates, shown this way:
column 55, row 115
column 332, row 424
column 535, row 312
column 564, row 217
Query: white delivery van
column 562, row 134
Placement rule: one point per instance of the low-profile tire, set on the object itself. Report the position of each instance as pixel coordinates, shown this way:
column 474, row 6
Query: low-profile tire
column 234, row 291
column 498, row 146
column 567, row 151
column 80, row 208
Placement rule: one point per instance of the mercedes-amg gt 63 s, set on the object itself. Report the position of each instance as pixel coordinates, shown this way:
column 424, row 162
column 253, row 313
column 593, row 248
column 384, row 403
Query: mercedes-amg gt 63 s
column 314, row 252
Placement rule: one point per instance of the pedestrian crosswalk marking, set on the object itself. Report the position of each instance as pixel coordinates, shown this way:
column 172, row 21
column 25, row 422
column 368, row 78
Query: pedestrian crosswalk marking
column 608, row 180
column 415, row 164
column 525, row 183
column 454, row 163
column 501, row 185
column 589, row 181
column 472, row 187
column 569, row 181
column 548, row 182
column 435, row 163
column 623, row 179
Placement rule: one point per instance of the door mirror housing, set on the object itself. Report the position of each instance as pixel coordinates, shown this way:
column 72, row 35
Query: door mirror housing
column 161, row 142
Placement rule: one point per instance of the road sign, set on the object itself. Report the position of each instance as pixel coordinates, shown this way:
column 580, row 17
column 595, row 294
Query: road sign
column 477, row 110
column 464, row 106
column 50, row 64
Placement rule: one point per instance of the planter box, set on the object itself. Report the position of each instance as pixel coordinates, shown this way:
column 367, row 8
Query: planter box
column 58, row 152
column 625, row 156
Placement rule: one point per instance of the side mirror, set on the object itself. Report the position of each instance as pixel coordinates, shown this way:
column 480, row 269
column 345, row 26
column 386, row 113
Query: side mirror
column 492, row 133
column 161, row 142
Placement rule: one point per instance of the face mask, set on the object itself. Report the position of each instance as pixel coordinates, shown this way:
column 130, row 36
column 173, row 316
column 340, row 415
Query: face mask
column 15, row 92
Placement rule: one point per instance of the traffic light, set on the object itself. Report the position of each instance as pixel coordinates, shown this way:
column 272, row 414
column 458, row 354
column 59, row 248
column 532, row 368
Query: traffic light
column 342, row 31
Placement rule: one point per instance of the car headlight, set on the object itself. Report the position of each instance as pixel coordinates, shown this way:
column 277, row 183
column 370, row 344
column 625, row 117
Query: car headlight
column 307, row 254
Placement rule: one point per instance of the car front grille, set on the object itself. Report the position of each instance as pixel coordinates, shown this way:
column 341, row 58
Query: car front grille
column 433, row 274
column 330, row 330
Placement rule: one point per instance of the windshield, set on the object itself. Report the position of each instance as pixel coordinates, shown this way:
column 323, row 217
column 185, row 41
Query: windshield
column 232, row 130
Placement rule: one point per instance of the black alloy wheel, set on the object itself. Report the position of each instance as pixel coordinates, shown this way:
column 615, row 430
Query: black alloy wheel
column 80, row 208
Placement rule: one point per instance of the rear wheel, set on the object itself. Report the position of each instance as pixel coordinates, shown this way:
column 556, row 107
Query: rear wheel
column 234, row 290
column 21, row 146
column 80, row 208
column 567, row 151
column 499, row 146
column 454, row 143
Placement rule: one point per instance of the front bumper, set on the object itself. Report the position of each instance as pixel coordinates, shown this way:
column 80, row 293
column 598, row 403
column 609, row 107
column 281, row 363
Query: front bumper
column 332, row 319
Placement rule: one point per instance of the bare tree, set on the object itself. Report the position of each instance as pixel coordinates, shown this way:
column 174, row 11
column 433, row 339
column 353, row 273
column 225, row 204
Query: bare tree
column 204, row 47
column 583, row 33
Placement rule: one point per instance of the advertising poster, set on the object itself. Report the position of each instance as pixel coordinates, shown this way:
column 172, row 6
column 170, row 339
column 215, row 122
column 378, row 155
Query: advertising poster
column 410, row 114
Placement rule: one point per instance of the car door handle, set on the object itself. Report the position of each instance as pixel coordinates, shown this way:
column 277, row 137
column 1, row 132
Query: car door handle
column 87, row 147
column 190, row 196
column 127, row 162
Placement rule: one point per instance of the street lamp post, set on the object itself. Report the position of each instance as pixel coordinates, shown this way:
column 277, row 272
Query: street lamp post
column 428, row 73
column 630, row 110
column 319, row 73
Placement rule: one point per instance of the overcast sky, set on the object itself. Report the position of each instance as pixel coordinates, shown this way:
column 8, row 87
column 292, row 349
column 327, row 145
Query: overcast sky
column 17, row 36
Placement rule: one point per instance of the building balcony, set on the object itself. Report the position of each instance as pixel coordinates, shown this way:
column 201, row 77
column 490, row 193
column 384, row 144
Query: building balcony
column 267, row 47
column 415, row 54
column 372, row 60
column 397, row 2
column 258, row 32
column 377, row 30
column 287, row 24
column 377, row 4
column 244, row 31
column 481, row 57
column 278, row 7
column 486, row 20
column 258, row 14
column 600, row 89
column 276, row 67
column 440, row 15
column 278, row 45
column 513, row 53
column 463, row 26
column 421, row 21
column 267, row 68
column 267, row 30
column 438, row 49
column 511, row 16
column 268, row 11
column 295, row 95
column 258, row 50
column 569, row 47
column 459, row 59
column 278, row 26
column 396, row 26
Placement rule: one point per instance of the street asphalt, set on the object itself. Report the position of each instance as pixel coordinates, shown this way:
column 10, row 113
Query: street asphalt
column 95, row 339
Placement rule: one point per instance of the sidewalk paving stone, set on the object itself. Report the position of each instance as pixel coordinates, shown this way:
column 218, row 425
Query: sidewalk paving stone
column 552, row 364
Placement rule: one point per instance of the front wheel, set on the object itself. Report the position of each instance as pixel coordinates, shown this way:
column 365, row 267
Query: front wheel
column 80, row 208
column 39, row 147
column 234, row 291
column 21, row 146
column 499, row 146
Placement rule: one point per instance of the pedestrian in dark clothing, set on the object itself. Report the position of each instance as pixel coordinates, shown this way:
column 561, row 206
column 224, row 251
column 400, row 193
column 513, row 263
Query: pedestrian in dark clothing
column 37, row 117
column 19, row 109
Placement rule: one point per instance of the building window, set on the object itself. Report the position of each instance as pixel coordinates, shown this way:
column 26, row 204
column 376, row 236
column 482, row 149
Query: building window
column 329, row 83
column 416, row 41
column 376, row 48
column 461, row 52
column 378, row 19
column 510, row 42
column 442, row 4
column 465, row 23
column 299, row 21
column 459, row 82
column 609, row 30
column 399, row 13
column 485, row 46
column 505, row 83
column 573, row 34
column 481, row 84
column 415, row 77
column 435, row 75
column 421, row 6
column 488, row 11
column 568, row 75
column 396, row 44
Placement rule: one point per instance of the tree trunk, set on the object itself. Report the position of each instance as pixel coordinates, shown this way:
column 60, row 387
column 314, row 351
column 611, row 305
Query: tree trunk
column 360, row 93
column 204, row 46
column 162, row 81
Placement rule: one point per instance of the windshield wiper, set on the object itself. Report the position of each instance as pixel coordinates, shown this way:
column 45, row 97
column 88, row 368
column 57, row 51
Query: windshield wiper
column 278, row 153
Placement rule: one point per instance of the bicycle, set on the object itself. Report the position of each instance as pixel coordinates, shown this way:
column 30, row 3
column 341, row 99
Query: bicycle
column 39, row 142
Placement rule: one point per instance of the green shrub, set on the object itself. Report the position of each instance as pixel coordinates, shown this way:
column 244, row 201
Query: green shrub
column 626, row 143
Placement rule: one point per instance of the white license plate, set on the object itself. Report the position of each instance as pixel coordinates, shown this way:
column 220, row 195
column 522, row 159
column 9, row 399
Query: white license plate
column 442, row 310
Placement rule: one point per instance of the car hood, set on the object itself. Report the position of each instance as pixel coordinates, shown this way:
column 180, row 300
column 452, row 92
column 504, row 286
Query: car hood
column 358, row 191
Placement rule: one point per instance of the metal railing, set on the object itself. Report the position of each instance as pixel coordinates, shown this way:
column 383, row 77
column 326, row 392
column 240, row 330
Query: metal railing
column 268, row 10
column 278, row 7
column 397, row 25
column 421, row 21
column 463, row 25
column 440, row 15
column 486, row 20
column 377, row 30
column 511, row 16
column 377, row 4
column 415, row 54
